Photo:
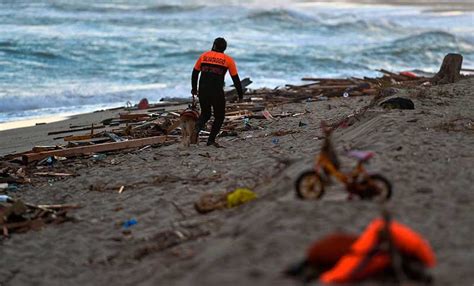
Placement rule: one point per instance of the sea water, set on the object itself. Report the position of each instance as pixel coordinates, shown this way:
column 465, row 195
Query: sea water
column 60, row 57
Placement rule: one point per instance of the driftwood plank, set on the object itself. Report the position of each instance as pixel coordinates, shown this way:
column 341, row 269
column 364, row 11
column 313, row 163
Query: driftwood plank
column 78, row 137
column 74, row 130
column 450, row 69
column 134, row 116
column 53, row 174
column 63, row 206
column 27, row 158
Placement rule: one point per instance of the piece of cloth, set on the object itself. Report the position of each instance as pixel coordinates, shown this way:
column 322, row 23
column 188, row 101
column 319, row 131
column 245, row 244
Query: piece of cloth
column 211, row 100
column 362, row 261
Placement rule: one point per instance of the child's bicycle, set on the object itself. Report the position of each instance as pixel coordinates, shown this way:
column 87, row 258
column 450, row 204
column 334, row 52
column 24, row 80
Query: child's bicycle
column 311, row 184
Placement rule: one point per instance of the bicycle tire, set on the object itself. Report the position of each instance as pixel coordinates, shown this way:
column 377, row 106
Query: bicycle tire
column 309, row 190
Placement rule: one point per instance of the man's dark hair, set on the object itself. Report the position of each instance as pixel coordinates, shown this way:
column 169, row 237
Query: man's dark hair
column 219, row 45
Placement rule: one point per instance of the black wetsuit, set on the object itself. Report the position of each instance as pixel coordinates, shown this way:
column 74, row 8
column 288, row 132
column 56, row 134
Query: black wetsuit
column 213, row 66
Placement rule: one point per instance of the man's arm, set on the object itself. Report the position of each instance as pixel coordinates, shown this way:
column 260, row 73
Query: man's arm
column 235, row 77
column 195, row 76
column 194, row 81
column 238, row 86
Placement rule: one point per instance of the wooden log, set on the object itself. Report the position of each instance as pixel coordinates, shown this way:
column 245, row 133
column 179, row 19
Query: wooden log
column 175, row 114
column 78, row 137
column 450, row 70
column 43, row 148
column 238, row 112
column 231, row 95
column 325, row 87
column 370, row 91
column 291, row 86
column 53, row 174
column 95, row 140
column 327, row 80
column 394, row 75
column 70, row 152
column 63, row 206
column 75, row 130
column 134, row 116
column 12, row 180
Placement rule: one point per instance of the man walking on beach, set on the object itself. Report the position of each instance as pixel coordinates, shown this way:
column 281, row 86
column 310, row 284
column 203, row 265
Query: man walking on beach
column 213, row 66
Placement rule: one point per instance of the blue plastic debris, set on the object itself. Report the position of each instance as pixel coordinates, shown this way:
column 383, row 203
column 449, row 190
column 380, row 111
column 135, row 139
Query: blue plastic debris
column 129, row 223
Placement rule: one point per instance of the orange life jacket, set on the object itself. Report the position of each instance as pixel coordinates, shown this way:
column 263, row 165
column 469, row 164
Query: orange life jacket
column 356, row 264
column 327, row 251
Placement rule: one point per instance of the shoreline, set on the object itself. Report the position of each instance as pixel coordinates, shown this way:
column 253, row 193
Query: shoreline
column 32, row 122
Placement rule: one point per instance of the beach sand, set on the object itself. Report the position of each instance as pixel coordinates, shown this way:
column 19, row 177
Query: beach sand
column 427, row 153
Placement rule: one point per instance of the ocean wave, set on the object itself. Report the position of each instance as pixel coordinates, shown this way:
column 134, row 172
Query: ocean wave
column 280, row 15
column 346, row 24
column 171, row 8
column 422, row 44
column 12, row 48
column 424, row 51
column 361, row 26
column 121, row 94
column 115, row 8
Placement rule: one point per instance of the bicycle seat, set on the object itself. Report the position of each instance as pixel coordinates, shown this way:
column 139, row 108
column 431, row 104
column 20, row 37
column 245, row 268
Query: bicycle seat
column 362, row 156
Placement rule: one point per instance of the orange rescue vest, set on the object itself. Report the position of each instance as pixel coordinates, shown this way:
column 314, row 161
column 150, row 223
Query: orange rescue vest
column 407, row 241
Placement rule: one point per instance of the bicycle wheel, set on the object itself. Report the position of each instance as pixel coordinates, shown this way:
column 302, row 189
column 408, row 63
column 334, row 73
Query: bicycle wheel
column 377, row 188
column 309, row 186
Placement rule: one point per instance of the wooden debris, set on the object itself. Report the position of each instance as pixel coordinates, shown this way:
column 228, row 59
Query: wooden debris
column 63, row 206
column 12, row 174
column 44, row 148
column 134, row 116
column 53, row 174
column 78, row 137
column 75, row 130
column 28, row 158
column 145, row 128
column 17, row 216
column 450, row 69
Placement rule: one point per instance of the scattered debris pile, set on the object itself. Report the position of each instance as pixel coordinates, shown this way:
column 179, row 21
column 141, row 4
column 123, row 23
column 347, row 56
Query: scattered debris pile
column 159, row 123
column 325, row 88
column 217, row 201
column 18, row 216
column 12, row 174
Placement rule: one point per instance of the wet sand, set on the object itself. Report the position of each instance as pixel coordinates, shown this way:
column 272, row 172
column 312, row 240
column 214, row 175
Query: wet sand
column 427, row 154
